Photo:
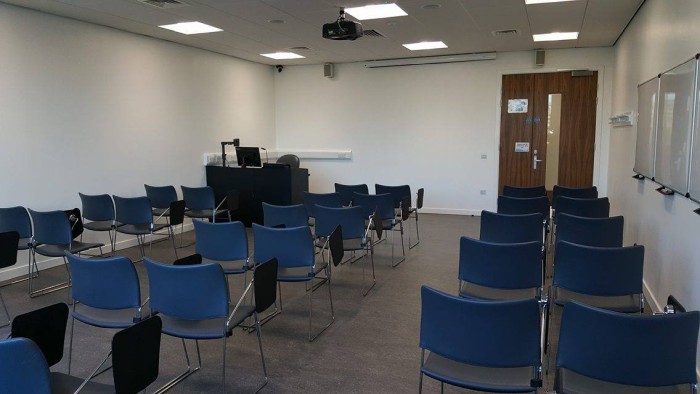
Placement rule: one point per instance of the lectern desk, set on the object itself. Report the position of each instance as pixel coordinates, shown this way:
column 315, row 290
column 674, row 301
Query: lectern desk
column 279, row 186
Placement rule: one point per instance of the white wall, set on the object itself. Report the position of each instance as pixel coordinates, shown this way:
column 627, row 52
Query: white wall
column 423, row 125
column 85, row 108
column 662, row 35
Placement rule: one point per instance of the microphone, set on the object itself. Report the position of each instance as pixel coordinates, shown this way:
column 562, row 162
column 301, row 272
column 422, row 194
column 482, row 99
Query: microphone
column 267, row 159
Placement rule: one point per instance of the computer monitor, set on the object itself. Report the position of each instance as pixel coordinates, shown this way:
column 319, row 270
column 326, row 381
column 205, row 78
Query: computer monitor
column 250, row 156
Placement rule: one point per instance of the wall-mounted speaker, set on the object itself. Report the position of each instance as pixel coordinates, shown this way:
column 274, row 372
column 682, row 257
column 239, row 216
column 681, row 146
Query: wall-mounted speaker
column 328, row 70
column 539, row 57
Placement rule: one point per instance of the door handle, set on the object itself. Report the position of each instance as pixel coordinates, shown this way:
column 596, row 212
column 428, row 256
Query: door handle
column 535, row 160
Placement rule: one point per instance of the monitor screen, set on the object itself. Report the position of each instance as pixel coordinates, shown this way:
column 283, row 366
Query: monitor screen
column 250, row 156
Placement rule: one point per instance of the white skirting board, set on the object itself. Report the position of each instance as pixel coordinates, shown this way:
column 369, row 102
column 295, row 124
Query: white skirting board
column 451, row 211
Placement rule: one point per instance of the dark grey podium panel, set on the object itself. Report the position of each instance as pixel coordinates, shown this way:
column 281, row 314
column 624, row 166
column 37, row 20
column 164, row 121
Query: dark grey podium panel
column 279, row 186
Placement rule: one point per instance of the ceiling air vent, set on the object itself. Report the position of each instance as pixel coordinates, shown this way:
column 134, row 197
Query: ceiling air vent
column 372, row 33
column 505, row 33
column 164, row 4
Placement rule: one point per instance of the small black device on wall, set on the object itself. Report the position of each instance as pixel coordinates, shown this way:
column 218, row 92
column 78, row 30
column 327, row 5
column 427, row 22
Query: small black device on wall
column 539, row 57
column 328, row 71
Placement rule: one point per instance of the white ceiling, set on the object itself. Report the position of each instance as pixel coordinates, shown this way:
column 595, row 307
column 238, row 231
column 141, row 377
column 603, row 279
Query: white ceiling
column 466, row 26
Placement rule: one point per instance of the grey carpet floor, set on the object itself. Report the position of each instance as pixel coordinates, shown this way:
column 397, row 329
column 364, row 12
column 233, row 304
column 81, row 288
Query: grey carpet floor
column 371, row 348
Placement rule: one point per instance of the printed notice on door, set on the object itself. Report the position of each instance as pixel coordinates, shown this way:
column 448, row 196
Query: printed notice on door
column 522, row 147
column 517, row 106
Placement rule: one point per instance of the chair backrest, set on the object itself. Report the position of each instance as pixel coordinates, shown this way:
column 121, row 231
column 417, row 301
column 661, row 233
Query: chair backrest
column 135, row 356
column 285, row 215
column 16, row 219
column 637, row 350
column 501, row 228
column 192, row 259
column 335, row 244
column 24, row 369
column 524, row 192
column 584, row 192
column 105, row 283
column 221, row 241
column 97, row 207
column 351, row 219
column 9, row 241
column 522, row 206
column 133, row 210
column 383, row 203
column 46, row 327
column 199, row 198
column 419, row 198
column 497, row 334
column 397, row 192
column 292, row 247
column 585, row 207
column 189, row 292
column 602, row 232
column 347, row 192
column 599, row 271
column 161, row 196
column 292, row 160
column 498, row 265
column 265, row 279
column 332, row 200
column 51, row 228
column 177, row 212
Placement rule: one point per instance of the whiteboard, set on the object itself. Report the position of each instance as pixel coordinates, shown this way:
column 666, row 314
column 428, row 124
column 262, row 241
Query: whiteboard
column 647, row 93
column 694, row 187
column 674, row 126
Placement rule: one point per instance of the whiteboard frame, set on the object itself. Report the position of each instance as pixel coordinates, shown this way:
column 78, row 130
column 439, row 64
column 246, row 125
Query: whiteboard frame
column 652, row 165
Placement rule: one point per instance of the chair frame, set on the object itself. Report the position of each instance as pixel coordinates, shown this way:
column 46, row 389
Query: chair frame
column 27, row 246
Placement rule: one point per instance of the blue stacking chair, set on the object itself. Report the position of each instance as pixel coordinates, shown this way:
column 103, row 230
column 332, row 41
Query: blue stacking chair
column 585, row 207
column 601, row 232
column 489, row 346
column 347, row 192
column 355, row 236
column 609, row 278
column 294, row 250
column 193, row 303
column 284, row 215
column 607, row 352
column 106, row 294
column 99, row 212
column 17, row 219
column 524, row 192
column 24, row 368
column 161, row 197
column 201, row 203
column 398, row 193
column 583, row 192
column 311, row 200
column 502, row 228
column 523, row 206
column 8, row 257
column 134, row 217
column 225, row 244
column 53, row 238
column 383, row 204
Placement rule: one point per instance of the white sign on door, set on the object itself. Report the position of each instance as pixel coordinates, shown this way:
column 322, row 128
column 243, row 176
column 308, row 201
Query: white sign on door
column 521, row 147
column 517, row 106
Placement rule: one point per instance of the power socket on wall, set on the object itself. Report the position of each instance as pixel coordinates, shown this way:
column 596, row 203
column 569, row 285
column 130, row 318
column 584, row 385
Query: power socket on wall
column 482, row 192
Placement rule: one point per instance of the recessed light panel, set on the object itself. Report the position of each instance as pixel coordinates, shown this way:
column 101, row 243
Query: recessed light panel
column 545, row 1
column 555, row 36
column 421, row 46
column 377, row 11
column 191, row 28
column 282, row 55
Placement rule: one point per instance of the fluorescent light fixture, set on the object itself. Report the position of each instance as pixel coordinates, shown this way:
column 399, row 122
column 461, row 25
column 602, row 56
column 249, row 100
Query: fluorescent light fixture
column 282, row 55
column 376, row 11
column 555, row 36
column 545, row 1
column 421, row 46
column 467, row 57
column 191, row 28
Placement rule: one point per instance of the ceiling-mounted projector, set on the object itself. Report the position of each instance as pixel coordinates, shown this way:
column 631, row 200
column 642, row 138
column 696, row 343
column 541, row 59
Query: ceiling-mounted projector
column 342, row 29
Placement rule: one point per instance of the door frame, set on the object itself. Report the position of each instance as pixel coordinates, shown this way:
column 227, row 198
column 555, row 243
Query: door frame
column 598, row 154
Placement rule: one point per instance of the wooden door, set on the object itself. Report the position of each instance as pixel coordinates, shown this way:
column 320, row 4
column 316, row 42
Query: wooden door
column 517, row 167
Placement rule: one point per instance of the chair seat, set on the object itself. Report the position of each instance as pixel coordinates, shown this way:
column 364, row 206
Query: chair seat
column 60, row 250
column 203, row 213
column 498, row 380
column 161, row 211
column 474, row 291
column 573, row 383
column 230, row 267
column 64, row 384
column 299, row 274
column 115, row 318
column 348, row 244
column 195, row 329
column 102, row 225
column 387, row 224
column 627, row 303
column 24, row 243
column 139, row 229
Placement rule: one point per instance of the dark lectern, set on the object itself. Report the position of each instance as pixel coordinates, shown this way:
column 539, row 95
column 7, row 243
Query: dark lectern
column 279, row 186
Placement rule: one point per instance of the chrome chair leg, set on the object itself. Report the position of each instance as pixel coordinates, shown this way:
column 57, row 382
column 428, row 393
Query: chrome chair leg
column 262, row 356
column 9, row 319
column 420, row 378
column 417, row 233
column 70, row 343
column 49, row 289
column 330, row 297
column 223, row 369
column 393, row 236
column 185, row 374
column 374, row 278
